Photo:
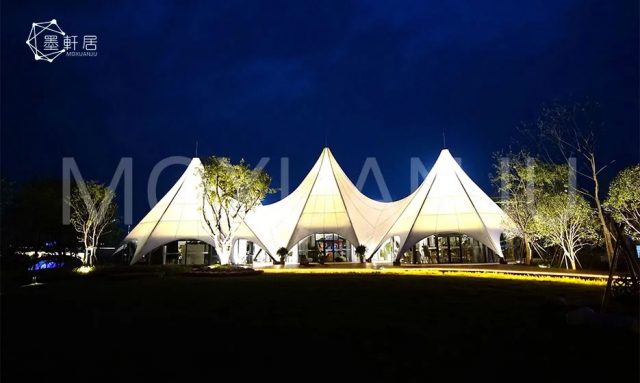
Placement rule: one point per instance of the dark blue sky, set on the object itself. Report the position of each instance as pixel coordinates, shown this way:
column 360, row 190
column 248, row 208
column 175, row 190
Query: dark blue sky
column 251, row 79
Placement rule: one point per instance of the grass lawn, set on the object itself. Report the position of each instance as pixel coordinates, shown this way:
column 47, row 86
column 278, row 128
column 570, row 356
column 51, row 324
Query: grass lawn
column 301, row 327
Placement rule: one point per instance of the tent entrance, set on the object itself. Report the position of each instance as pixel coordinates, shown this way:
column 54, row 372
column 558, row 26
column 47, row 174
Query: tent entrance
column 325, row 247
column 448, row 248
column 182, row 252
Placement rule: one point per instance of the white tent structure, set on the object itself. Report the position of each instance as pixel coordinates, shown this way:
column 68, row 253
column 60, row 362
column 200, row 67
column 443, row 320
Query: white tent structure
column 325, row 202
column 177, row 216
column 449, row 202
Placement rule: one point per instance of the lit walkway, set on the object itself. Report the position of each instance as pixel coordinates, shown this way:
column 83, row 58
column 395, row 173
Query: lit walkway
column 496, row 271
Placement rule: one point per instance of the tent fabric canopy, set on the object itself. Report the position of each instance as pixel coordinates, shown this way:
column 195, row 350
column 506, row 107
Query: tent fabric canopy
column 449, row 202
column 326, row 201
column 177, row 216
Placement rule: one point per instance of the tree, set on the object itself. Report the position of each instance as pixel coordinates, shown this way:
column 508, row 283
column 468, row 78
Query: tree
column 570, row 128
column 523, row 181
column 360, row 251
column 623, row 202
column 229, row 192
column 566, row 220
column 283, row 253
column 93, row 212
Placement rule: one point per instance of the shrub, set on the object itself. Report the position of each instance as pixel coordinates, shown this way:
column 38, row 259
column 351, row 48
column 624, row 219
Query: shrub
column 282, row 253
column 360, row 251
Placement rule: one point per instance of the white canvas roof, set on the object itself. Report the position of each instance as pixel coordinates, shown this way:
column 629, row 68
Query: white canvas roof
column 177, row 216
column 448, row 202
column 325, row 202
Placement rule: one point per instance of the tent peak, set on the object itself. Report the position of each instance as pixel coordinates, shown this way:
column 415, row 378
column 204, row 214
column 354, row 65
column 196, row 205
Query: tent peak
column 326, row 152
column 445, row 153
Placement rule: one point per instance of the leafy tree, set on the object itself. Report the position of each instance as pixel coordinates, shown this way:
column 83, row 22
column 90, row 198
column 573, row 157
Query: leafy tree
column 570, row 129
column 523, row 181
column 360, row 251
column 93, row 212
column 623, row 201
column 566, row 220
column 230, row 191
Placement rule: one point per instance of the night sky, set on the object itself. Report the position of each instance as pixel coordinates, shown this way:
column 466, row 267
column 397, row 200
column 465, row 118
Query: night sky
column 252, row 79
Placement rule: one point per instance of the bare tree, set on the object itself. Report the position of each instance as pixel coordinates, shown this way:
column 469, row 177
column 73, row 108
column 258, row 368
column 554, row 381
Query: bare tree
column 570, row 128
column 93, row 215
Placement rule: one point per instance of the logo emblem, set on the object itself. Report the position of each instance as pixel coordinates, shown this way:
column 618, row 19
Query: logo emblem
column 44, row 40
column 47, row 41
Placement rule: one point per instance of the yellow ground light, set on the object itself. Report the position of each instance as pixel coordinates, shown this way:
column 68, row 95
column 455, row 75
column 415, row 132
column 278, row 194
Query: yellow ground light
column 559, row 278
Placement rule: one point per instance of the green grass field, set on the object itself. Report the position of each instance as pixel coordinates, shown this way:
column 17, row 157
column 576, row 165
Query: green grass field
column 300, row 327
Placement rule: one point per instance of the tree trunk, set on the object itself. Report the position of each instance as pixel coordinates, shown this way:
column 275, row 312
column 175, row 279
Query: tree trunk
column 94, row 256
column 89, row 256
column 527, row 249
column 86, row 253
column 224, row 253
column 608, row 244
column 572, row 259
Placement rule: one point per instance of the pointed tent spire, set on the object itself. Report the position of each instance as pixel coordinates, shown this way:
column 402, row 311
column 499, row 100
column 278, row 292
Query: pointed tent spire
column 178, row 215
column 325, row 202
column 448, row 202
column 275, row 223
column 324, row 210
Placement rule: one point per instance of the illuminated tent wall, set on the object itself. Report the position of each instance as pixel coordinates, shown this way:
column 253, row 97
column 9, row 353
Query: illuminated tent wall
column 449, row 202
column 325, row 202
column 177, row 216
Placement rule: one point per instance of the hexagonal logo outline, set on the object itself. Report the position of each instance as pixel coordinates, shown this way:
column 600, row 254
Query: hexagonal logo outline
column 32, row 41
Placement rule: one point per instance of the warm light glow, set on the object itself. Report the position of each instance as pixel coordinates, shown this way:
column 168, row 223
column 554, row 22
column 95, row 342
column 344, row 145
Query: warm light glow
column 84, row 269
column 326, row 201
column 33, row 284
column 571, row 278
